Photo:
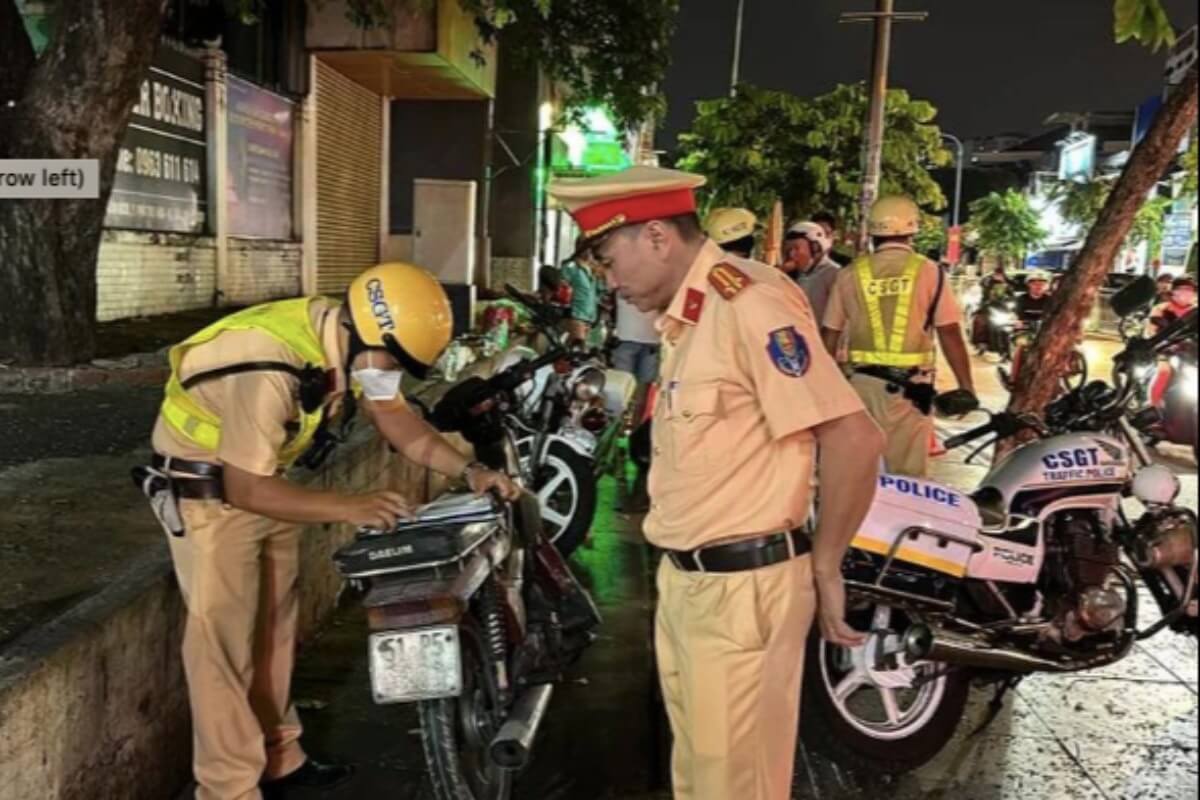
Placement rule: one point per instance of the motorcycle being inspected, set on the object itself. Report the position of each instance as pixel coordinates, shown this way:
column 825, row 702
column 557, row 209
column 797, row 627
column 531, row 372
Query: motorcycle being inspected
column 473, row 613
column 1038, row 570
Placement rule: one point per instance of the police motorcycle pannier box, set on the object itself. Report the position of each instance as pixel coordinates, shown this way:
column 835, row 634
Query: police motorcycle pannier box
column 920, row 522
column 443, row 532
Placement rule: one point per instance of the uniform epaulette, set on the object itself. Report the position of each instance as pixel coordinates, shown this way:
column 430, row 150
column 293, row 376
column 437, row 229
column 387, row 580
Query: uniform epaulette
column 728, row 280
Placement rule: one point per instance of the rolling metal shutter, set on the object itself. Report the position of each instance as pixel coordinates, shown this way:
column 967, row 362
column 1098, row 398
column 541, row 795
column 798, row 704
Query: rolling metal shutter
column 349, row 160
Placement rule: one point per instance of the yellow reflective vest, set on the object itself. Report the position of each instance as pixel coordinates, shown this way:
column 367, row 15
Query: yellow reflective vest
column 290, row 322
column 889, row 340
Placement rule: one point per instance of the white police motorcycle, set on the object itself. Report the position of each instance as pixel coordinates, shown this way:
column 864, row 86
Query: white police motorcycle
column 1038, row 570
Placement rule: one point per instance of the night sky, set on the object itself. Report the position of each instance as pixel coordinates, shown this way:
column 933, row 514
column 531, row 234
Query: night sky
column 990, row 66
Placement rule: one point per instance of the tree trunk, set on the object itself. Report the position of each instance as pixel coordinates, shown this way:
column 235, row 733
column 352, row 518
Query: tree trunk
column 75, row 103
column 1048, row 360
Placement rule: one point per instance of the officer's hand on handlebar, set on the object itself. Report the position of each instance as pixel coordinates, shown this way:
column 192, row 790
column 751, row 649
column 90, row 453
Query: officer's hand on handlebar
column 377, row 509
column 482, row 481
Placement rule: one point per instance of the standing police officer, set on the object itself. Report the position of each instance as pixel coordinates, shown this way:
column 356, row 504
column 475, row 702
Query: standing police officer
column 732, row 229
column 245, row 399
column 746, row 395
column 890, row 303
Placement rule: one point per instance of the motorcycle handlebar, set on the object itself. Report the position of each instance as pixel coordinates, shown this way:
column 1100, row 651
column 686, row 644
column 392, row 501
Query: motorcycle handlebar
column 1003, row 424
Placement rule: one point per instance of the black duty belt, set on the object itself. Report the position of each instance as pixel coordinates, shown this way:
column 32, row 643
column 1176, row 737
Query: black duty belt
column 897, row 375
column 196, row 480
column 748, row 554
column 920, row 394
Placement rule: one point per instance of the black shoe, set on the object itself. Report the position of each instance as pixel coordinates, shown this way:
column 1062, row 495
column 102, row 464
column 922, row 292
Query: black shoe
column 312, row 775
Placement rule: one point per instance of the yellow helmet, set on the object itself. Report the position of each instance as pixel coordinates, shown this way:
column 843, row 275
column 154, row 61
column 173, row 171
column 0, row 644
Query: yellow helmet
column 894, row 216
column 725, row 225
column 402, row 309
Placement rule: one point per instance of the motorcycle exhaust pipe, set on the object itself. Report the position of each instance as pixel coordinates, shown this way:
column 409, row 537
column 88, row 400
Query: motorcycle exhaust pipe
column 925, row 644
column 513, row 745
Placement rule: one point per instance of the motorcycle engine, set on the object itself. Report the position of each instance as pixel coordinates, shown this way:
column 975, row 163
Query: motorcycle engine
column 1085, row 593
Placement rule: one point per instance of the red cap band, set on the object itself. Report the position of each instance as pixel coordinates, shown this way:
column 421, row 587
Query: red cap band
column 602, row 217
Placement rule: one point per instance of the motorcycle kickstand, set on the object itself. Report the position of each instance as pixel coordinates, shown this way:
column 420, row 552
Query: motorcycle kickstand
column 997, row 703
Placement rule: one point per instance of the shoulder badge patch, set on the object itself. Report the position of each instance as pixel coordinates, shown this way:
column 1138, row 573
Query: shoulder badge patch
column 693, row 304
column 789, row 352
column 728, row 280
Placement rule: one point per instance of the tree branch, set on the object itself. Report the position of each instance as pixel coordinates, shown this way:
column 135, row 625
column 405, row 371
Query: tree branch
column 1049, row 358
column 19, row 58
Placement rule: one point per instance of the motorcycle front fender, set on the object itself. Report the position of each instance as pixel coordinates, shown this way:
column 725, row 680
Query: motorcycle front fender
column 577, row 439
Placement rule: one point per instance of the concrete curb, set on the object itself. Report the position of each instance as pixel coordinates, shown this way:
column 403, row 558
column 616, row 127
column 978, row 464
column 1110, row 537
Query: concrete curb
column 147, row 369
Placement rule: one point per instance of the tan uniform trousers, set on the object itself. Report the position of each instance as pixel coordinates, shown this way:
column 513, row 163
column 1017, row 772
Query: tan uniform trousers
column 908, row 430
column 731, row 660
column 237, row 572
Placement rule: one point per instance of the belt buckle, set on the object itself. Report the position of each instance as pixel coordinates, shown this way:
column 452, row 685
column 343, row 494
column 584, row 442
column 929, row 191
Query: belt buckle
column 791, row 544
column 676, row 557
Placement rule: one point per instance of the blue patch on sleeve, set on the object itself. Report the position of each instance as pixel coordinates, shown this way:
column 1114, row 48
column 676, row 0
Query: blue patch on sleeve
column 789, row 352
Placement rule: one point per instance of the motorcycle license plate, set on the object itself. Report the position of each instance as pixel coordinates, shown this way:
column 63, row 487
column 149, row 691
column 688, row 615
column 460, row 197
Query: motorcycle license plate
column 415, row 665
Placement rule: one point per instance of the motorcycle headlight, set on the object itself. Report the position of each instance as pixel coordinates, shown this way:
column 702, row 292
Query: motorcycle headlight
column 1143, row 372
column 1002, row 318
column 1189, row 376
column 589, row 385
column 1156, row 485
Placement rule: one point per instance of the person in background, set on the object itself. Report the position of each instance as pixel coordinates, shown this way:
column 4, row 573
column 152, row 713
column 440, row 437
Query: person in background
column 585, row 300
column 637, row 353
column 733, row 230
column 829, row 223
column 806, row 259
column 552, row 289
column 896, row 307
column 1033, row 303
column 1163, row 282
column 1181, row 301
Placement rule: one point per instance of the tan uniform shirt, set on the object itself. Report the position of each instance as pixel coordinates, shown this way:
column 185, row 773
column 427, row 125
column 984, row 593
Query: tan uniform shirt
column 847, row 310
column 259, row 411
column 744, row 380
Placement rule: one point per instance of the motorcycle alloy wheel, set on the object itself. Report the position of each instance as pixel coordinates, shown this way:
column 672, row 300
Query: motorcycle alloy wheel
column 875, row 719
column 566, row 492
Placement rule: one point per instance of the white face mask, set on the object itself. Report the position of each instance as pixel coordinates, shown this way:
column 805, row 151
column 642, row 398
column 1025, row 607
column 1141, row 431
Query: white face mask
column 377, row 384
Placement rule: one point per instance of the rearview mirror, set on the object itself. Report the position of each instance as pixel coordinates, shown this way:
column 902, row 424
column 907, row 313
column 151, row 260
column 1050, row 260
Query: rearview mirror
column 1135, row 296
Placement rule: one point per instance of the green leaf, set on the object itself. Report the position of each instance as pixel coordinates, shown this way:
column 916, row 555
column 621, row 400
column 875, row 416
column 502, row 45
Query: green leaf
column 1145, row 21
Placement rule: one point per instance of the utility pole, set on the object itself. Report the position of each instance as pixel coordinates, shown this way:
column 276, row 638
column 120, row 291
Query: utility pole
column 958, row 175
column 737, row 49
column 883, row 16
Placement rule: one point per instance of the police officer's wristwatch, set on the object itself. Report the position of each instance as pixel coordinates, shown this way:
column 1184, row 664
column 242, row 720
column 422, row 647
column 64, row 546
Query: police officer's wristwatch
column 465, row 475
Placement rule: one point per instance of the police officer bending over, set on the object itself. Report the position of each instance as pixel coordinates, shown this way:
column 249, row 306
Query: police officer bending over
column 246, row 398
column 746, row 394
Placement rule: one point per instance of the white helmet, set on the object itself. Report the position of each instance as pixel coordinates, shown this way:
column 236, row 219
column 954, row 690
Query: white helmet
column 894, row 216
column 814, row 233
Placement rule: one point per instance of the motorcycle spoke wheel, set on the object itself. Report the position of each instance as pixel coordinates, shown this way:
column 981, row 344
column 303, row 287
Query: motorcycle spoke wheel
column 457, row 734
